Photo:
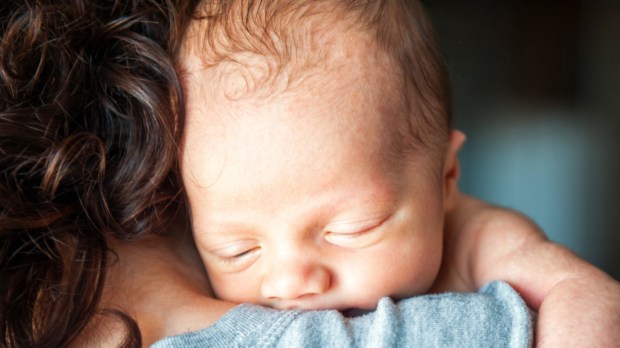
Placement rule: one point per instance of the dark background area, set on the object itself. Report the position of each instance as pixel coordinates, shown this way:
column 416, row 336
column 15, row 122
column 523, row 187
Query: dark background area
column 537, row 91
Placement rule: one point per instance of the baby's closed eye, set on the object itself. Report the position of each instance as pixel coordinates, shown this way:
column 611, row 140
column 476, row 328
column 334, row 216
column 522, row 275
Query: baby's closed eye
column 235, row 256
column 355, row 234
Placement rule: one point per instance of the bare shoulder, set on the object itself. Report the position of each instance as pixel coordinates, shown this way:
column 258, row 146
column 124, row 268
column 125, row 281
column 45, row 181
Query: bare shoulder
column 487, row 223
column 480, row 235
column 485, row 243
column 160, row 288
column 102, row 331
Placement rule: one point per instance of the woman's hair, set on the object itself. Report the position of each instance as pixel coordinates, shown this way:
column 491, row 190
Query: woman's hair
column 90, row 119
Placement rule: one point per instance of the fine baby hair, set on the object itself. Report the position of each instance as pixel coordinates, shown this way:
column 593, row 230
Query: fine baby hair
column 89, row 126
column 272, row 44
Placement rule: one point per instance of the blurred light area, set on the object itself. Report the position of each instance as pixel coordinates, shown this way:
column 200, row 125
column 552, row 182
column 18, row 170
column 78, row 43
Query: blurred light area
column 537, row 92
column 536, row 162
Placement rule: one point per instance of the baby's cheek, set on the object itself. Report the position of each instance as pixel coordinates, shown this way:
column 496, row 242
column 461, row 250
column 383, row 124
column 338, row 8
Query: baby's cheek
column 360, row 297
column 219, row 286
column 363, row 287
column 409, row 271
column 419, row 274
column 229, row 287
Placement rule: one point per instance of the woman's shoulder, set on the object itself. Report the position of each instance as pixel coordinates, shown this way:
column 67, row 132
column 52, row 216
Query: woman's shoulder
column 160, row 286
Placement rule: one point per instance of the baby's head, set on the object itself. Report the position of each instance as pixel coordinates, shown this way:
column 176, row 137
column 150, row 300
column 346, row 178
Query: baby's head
column 317, row 157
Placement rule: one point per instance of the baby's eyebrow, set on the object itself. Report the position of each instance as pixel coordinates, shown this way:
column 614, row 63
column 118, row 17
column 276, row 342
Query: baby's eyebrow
column 362, row 209
column 221, row 230
column 228, row 229
column 356, row 207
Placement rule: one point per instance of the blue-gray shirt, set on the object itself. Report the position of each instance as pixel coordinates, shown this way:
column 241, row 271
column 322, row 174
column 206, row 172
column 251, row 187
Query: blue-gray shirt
column 494, row 317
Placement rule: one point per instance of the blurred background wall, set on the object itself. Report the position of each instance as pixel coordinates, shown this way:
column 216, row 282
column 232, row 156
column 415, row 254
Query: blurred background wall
column 537, row 91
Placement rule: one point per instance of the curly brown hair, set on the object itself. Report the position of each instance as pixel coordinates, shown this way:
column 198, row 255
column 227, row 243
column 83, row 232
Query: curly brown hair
column 90, row 119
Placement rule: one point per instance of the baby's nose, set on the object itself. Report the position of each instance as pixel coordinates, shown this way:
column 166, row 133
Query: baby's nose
column 293, row 280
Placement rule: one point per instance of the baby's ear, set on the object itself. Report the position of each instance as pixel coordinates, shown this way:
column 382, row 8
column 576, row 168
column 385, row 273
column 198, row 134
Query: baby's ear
column 452, row 169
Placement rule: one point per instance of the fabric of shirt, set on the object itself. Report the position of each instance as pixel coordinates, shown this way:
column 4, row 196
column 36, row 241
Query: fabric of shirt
column 496, row 316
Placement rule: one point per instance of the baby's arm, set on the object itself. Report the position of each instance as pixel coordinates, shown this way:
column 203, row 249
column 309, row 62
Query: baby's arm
column 578, row 305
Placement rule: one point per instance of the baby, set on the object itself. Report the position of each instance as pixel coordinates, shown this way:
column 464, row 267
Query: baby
column 320, row 167
column 317, row 175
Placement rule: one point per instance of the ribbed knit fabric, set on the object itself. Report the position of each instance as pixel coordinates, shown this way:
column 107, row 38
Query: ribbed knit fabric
column 494, row 317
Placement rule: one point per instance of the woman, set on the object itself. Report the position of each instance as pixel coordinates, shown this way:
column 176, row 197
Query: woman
column 93, row 232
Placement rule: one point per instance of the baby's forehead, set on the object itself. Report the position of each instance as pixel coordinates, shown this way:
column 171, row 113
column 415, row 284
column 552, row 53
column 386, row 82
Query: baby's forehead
column 350, row 85
column 238, row 59
column 353, row 83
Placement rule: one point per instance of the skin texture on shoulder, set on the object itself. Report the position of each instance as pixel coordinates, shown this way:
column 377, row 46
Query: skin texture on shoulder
column 160, row 282
column 577, row 304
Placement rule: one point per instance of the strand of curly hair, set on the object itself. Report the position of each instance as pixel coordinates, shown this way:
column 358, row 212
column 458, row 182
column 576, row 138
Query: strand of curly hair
column 89, row 127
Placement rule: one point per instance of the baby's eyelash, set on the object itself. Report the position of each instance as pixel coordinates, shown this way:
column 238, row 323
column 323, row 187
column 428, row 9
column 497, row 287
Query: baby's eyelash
column 350, row 236
column 356, row 239
column 346, row 228
column 353, row 235
column 244, row 253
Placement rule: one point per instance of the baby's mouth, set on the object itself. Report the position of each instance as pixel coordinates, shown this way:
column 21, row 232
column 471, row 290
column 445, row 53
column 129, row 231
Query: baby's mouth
column 313, row 305
column 321, row 302
column 307, row 303
column 349, row 313
column 295, row 306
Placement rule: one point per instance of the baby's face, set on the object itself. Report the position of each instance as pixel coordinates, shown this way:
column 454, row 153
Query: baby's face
column 300, row 199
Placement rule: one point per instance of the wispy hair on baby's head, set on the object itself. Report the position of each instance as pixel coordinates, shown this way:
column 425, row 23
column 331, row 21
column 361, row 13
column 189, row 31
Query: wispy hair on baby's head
column 273, row 44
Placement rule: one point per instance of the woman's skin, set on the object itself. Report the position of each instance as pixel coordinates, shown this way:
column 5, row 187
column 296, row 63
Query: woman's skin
column 160, row 282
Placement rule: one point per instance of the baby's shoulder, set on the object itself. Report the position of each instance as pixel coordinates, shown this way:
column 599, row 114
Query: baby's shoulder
column 503, row 229
column 488, row 225
column 479, row 235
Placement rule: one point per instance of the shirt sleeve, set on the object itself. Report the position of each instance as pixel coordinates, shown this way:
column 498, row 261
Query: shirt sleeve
column 494, row 317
